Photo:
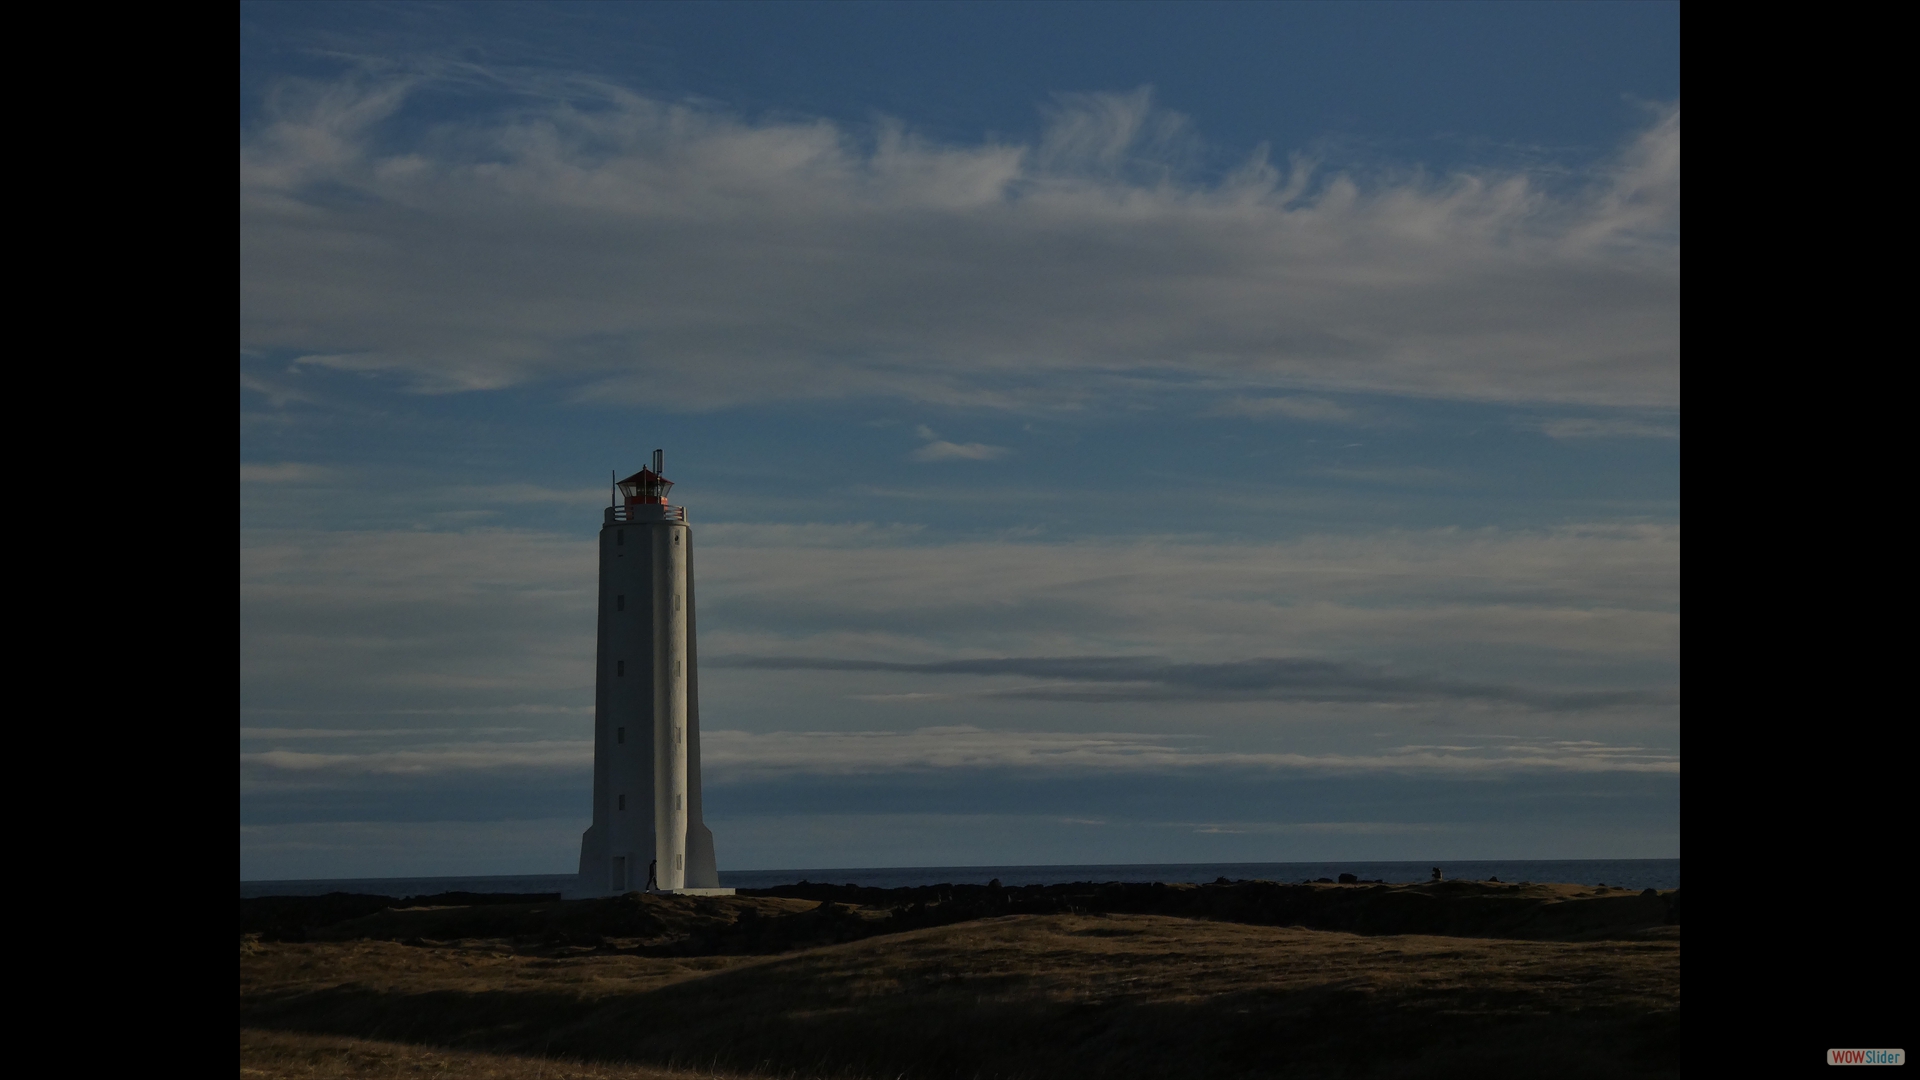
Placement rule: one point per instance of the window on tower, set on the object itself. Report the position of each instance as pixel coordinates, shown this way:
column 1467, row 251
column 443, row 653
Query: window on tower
column 620, row 536
column 623, row 802
column 619, row 603
column 620, row 735
column 619, row 667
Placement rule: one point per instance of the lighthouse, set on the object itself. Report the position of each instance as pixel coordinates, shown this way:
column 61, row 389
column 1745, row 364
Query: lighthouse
column 647, row 831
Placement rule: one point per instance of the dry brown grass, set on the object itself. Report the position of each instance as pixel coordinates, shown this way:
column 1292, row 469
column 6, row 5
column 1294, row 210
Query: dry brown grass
column 280, row 1055
column 271, row 970
column 1149, row 958
column 1021, row 996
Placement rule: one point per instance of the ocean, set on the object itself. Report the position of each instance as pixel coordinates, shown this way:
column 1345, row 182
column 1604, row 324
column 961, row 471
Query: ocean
column 1627, row 873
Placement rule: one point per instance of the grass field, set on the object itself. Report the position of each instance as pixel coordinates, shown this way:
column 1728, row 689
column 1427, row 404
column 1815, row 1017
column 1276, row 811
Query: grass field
column 281, row 1055
column 1090, row 994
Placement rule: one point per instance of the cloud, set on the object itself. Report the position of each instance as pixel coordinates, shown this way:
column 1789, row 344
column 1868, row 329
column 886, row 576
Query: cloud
column 1147, row 678
column 368, row 621
column 1608, row 428
column 1391, row 475
column 941, row 450
column 734, row 755
column 484, row 622
column 731, row 756
column 1447, row 599
column 639, row 249
column 573, row 754
column 808, row 534
column 1296, row 408
column 938, row 449
column 1335, row 828
column 408, row 849
column 1114, row 135
column 276, row 391
column 527, row 493
column 285, row 473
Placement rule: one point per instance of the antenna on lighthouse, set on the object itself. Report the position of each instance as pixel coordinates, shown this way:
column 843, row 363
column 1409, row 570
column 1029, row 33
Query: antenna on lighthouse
column 659, row 461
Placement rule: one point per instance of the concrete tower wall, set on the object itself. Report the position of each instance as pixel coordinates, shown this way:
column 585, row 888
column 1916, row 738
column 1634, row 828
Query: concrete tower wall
column 703, row 872
column 670, row 703
column 616, row 850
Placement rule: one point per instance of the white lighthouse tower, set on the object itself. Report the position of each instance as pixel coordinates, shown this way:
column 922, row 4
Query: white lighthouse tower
column 647, row 831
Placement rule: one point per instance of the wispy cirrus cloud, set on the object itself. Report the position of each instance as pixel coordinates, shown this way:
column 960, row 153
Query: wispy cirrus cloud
column 1293, row 407
column 569, row 754
column 731, row 756
column 736, row 754
column 1609, row 427
column 938, row 449
column 1148, row 678
column 286, row 472
column 484, row 494
column 341, row 622
column 852, row 534
column 942, row 450
column 644, row 249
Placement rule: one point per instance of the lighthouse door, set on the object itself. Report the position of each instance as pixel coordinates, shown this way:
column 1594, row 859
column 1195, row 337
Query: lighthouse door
column 619, row 874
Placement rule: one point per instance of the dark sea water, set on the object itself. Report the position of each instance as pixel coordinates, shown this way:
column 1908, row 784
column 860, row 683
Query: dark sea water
column 1629, row 873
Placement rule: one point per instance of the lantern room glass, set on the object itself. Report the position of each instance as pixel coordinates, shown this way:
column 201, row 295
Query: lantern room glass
column 645, row 486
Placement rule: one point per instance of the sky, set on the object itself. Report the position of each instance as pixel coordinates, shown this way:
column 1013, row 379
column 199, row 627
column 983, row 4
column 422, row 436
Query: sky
column 1111, row 433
